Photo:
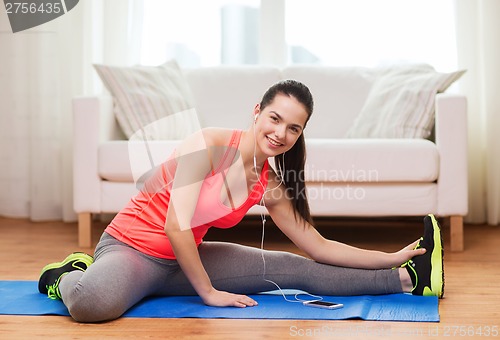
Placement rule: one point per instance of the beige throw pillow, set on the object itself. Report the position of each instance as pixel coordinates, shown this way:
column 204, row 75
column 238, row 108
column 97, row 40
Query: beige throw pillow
column 152, row 103
column 401, row 103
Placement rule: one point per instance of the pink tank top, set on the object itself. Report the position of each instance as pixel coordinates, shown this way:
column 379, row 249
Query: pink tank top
column 141, row 222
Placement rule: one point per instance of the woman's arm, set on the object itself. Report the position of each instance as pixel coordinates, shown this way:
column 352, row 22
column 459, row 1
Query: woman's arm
column 308, row 239
column 193, row 164
column 188, row 258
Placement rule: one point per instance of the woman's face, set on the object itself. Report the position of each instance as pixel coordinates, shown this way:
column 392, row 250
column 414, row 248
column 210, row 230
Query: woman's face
column 279, row 124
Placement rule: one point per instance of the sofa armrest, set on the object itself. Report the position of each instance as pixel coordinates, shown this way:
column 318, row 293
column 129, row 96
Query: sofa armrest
column 451, row 141
column 93, row 122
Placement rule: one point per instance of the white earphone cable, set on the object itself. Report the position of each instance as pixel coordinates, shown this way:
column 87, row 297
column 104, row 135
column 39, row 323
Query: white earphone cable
column 263, row 217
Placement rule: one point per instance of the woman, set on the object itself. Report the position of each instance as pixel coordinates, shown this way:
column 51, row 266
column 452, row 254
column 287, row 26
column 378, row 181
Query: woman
column 154, row 245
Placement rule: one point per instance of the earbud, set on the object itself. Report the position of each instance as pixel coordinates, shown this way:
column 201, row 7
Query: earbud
column 255, row 118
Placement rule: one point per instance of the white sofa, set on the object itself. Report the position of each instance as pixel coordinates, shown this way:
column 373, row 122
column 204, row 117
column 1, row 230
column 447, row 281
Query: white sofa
column 346, row 176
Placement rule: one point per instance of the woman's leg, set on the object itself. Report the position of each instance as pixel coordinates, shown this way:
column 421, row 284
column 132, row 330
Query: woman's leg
column 240, row 269
column 119, row 278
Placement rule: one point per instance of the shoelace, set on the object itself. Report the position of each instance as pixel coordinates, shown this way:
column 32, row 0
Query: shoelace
column 53, row 291
column 410, row 265
column 418, row 244
column 410, row 261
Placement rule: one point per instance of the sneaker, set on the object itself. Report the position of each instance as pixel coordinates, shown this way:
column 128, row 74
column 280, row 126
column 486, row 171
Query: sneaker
column 427, row 270
column 52, row 273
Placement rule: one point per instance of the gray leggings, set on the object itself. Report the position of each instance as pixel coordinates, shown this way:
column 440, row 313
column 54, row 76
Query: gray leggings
column 122, row 276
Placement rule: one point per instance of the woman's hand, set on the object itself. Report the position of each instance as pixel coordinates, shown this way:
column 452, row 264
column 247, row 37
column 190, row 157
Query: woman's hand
column 407, row 253
column 219, row 298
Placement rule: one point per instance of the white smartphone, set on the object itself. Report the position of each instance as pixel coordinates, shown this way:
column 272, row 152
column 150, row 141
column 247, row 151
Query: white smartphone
column 323, row 304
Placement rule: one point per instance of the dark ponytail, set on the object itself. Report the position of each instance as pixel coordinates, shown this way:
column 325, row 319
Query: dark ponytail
column 290, row 165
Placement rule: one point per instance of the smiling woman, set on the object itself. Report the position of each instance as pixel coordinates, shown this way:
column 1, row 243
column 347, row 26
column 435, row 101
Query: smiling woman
column 155, row 246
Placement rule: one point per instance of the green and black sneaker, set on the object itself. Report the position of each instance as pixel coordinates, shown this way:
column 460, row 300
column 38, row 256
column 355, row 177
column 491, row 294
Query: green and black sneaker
column 52, row 273
column 427, row 270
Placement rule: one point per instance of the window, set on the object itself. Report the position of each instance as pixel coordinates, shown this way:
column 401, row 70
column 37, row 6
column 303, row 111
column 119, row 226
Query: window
column 200, row 33
column 371, row 33
column 329, row 32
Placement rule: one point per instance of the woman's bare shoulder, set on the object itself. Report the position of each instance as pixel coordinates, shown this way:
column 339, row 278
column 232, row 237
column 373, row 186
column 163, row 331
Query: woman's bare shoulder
column 205, row 139
column 217, row 136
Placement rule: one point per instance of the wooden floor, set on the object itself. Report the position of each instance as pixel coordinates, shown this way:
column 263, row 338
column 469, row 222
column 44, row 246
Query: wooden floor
column 471, row 308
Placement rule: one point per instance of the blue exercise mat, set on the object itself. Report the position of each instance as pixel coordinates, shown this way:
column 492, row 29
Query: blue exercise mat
column 23, row 298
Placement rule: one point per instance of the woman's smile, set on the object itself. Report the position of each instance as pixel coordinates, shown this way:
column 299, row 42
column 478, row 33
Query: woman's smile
column 273, row 142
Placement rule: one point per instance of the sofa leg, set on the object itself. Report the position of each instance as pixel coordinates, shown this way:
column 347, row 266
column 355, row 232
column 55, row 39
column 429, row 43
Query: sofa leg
column 456, row 233
column 85, row 230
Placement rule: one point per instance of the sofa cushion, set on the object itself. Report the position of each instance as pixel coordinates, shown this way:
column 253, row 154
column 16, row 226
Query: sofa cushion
column 328, row 160
column 226, row 95
column 371, row 160
column 122, row 161
column 401, row 103
column 155, row 100
column 339, row 94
